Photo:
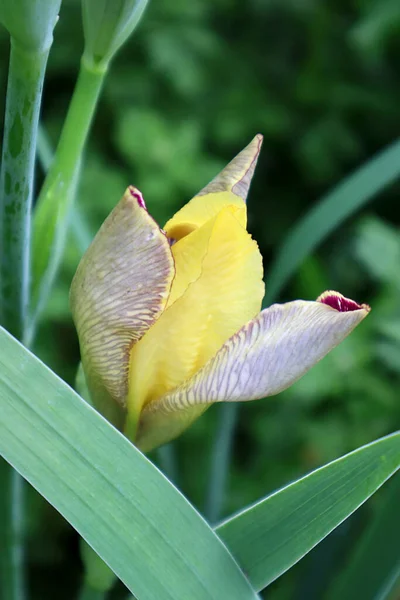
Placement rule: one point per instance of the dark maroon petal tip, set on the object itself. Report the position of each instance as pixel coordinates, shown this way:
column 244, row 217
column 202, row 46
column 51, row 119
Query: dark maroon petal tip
column 134, row 192
column 341, row 303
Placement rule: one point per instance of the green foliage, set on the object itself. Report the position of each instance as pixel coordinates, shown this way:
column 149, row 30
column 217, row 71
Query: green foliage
column 107, row 489
column 375, row 553
column 274, row 534
column 198, row 80
column 118, row 501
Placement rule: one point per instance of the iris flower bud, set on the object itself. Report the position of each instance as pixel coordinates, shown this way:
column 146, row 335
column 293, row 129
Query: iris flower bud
column 169, row 319
column 30, row 22
column 107, row 25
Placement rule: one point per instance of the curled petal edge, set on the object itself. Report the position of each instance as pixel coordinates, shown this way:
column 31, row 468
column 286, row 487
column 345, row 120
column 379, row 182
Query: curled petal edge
column 263, row 358
column 120, row 288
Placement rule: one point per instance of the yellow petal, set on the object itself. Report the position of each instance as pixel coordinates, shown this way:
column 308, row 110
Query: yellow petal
column 190, row 251
column 227, row 293
column 229, row 188
column 120, row 288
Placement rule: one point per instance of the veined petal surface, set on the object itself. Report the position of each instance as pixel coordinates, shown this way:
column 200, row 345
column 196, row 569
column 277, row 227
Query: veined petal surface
column 263, row 358
column 119, row 290
column 229, row 188
column 227, row 292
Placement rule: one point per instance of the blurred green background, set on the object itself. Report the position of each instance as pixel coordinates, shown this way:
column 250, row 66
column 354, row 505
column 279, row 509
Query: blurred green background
column 320, row 80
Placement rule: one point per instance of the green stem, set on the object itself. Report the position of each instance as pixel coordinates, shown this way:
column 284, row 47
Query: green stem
column 57, row 195
column 45, row 152
column 24, row 92
column 12, row 580
column 168, row 461
column 220, row 460
column 80, row 228
column 25, row 83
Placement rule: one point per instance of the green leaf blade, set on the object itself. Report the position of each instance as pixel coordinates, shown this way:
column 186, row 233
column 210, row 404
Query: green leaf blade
column 142, row 527
column 327, row 214
column 376, row 552
column 271, row 536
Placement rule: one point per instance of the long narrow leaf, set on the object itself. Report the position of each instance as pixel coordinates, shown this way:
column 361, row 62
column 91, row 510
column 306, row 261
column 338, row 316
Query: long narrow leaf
column 377, row 553
column 334, row 208
column 138, row 523
column 271, row 536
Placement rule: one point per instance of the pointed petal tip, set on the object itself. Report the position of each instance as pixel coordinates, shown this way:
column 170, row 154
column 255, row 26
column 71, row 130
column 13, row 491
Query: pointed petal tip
column 134, row 197
column 237, row 175
column 338, row 302
column 247, row 162
column 257, row 141
column 133, row 192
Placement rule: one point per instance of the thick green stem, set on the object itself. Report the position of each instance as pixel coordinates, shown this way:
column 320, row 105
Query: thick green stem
column 24, row 92
column 57, row 195
column 25, row 82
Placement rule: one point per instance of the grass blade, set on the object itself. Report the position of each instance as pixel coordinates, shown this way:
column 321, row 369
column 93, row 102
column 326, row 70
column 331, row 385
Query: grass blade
column 137, row 522
column 330, row 212
column 221, row 456
column 271, row 536
column 377, row 553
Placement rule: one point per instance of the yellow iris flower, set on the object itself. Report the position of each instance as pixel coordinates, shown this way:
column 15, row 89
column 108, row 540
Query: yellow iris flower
column 168, row 320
